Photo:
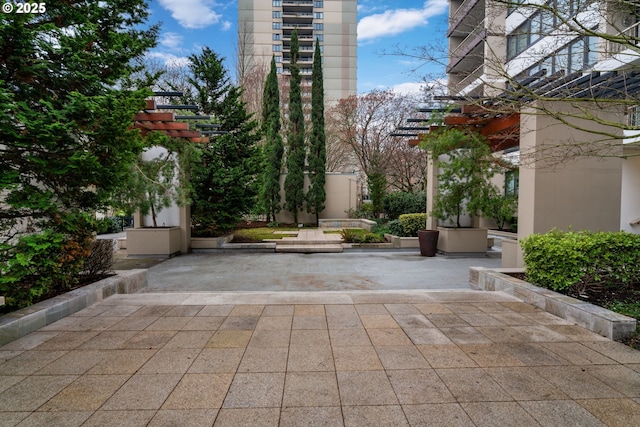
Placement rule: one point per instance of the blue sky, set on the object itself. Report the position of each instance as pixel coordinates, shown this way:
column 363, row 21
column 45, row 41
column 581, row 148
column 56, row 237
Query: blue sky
column 188, row 25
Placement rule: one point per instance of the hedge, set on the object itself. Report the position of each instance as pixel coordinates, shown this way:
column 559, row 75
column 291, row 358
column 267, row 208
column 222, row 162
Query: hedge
column 411, row 223
column 563, row 260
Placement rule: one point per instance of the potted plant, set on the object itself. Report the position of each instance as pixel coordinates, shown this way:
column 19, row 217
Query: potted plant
column 466, row 166
column 159, row 180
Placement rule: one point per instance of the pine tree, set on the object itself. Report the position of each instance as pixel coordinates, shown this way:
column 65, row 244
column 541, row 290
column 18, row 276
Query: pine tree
column 273, row 149
column 296, row 156
column 65, row 122
column 316, row 195
column 225, row 181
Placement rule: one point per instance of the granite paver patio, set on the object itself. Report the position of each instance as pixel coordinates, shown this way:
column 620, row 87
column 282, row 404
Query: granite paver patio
column 357, row 358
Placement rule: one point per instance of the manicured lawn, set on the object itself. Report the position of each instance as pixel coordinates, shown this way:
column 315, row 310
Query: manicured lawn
column 256, row 235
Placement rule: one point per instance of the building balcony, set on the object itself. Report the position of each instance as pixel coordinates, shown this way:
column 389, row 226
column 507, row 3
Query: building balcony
column 469, row 13
column 467, row 51
column 628, row 39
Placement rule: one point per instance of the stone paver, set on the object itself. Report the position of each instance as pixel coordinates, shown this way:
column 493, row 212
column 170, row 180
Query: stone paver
column 337, row 358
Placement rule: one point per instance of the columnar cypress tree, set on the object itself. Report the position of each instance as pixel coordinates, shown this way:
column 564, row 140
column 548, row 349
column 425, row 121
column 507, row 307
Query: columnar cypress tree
column 294, row 182
column 274, row 147
column 316, row 195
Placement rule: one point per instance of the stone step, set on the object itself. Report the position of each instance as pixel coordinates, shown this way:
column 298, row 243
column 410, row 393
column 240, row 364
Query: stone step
column 309, row 249
column 302, row 242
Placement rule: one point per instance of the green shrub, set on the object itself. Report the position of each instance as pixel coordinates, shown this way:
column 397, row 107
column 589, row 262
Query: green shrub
column 364, row 212
column 395, row 228
column 575, row 260
column 400, row 202
column 358, row 235
column 411, row 223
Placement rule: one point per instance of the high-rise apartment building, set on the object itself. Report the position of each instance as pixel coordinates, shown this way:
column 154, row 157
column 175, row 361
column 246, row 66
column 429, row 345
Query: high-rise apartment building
column 265, row 27
column 560, row 76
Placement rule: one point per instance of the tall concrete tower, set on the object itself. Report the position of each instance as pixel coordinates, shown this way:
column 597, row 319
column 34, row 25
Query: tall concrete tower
column 265, row 28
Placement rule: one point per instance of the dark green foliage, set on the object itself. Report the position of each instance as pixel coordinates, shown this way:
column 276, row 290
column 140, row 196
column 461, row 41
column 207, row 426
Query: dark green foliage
column 273, row 149
column 296, row 153
column 65, row 134
column 364, row 212
column 403, row 202
column 47, row 261
column 316, row 195
column 395, row 228
column 411, row 223
column 575, row 260
column 224, row 181
column 377, row 182
column 357, row 235
column 64, row 130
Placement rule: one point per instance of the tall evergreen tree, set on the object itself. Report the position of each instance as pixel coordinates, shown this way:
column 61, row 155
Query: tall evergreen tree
column 66, row 141
column 296, row 155
column 316, row 195
column 225, row 183
column 273, row 149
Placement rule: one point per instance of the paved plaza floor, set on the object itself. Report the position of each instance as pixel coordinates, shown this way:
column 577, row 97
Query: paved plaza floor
column 203, row 355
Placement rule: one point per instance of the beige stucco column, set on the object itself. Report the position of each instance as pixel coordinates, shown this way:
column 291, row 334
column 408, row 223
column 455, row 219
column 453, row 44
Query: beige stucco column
column 559, row 188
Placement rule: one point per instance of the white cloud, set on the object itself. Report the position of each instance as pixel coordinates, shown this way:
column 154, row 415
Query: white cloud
column 410, row 88
column 169, row 59
column 192, row 13
column 226, row 25
column 393, row 22
column 171, row 40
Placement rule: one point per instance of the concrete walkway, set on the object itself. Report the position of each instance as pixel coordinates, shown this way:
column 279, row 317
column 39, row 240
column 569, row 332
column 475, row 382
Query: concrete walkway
column 391, row 357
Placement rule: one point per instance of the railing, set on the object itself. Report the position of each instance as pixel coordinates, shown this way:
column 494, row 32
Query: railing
column 473, row 76
column 628, row 38
column 465, row 42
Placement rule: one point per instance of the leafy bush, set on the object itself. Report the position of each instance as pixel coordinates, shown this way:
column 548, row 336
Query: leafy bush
column 358, row 235
column 395, row 228
column 364, row 212
column 501, row 209
column 51, row 260
column 411, row 223
column 575, row 260
column 400, row 202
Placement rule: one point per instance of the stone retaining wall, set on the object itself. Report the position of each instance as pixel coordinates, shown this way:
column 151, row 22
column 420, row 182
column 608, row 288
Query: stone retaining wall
column 592, row 317
column 26, row 320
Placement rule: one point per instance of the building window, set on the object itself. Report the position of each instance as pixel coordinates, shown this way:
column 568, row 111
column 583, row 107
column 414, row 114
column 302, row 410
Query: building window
column 318, row 4
column 518, row 41
column 276, row 48
column 318, row 15
column 318, row 27
column 578, row 56
column 320, row 37
column 276, row 3
column 633, row 118
column 276, row 37
column 511, row 183
column 276, row 14
column 278, row 58
column 276, row 25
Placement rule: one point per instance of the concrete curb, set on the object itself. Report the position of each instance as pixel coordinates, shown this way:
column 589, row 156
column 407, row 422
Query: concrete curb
column 592, row 317
column 26, row 320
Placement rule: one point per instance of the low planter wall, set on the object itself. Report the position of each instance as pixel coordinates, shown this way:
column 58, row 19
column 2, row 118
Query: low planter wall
column 210, row 242
column 402, row 242
column 592, row 317
column 26, row 320
column 367, row 224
